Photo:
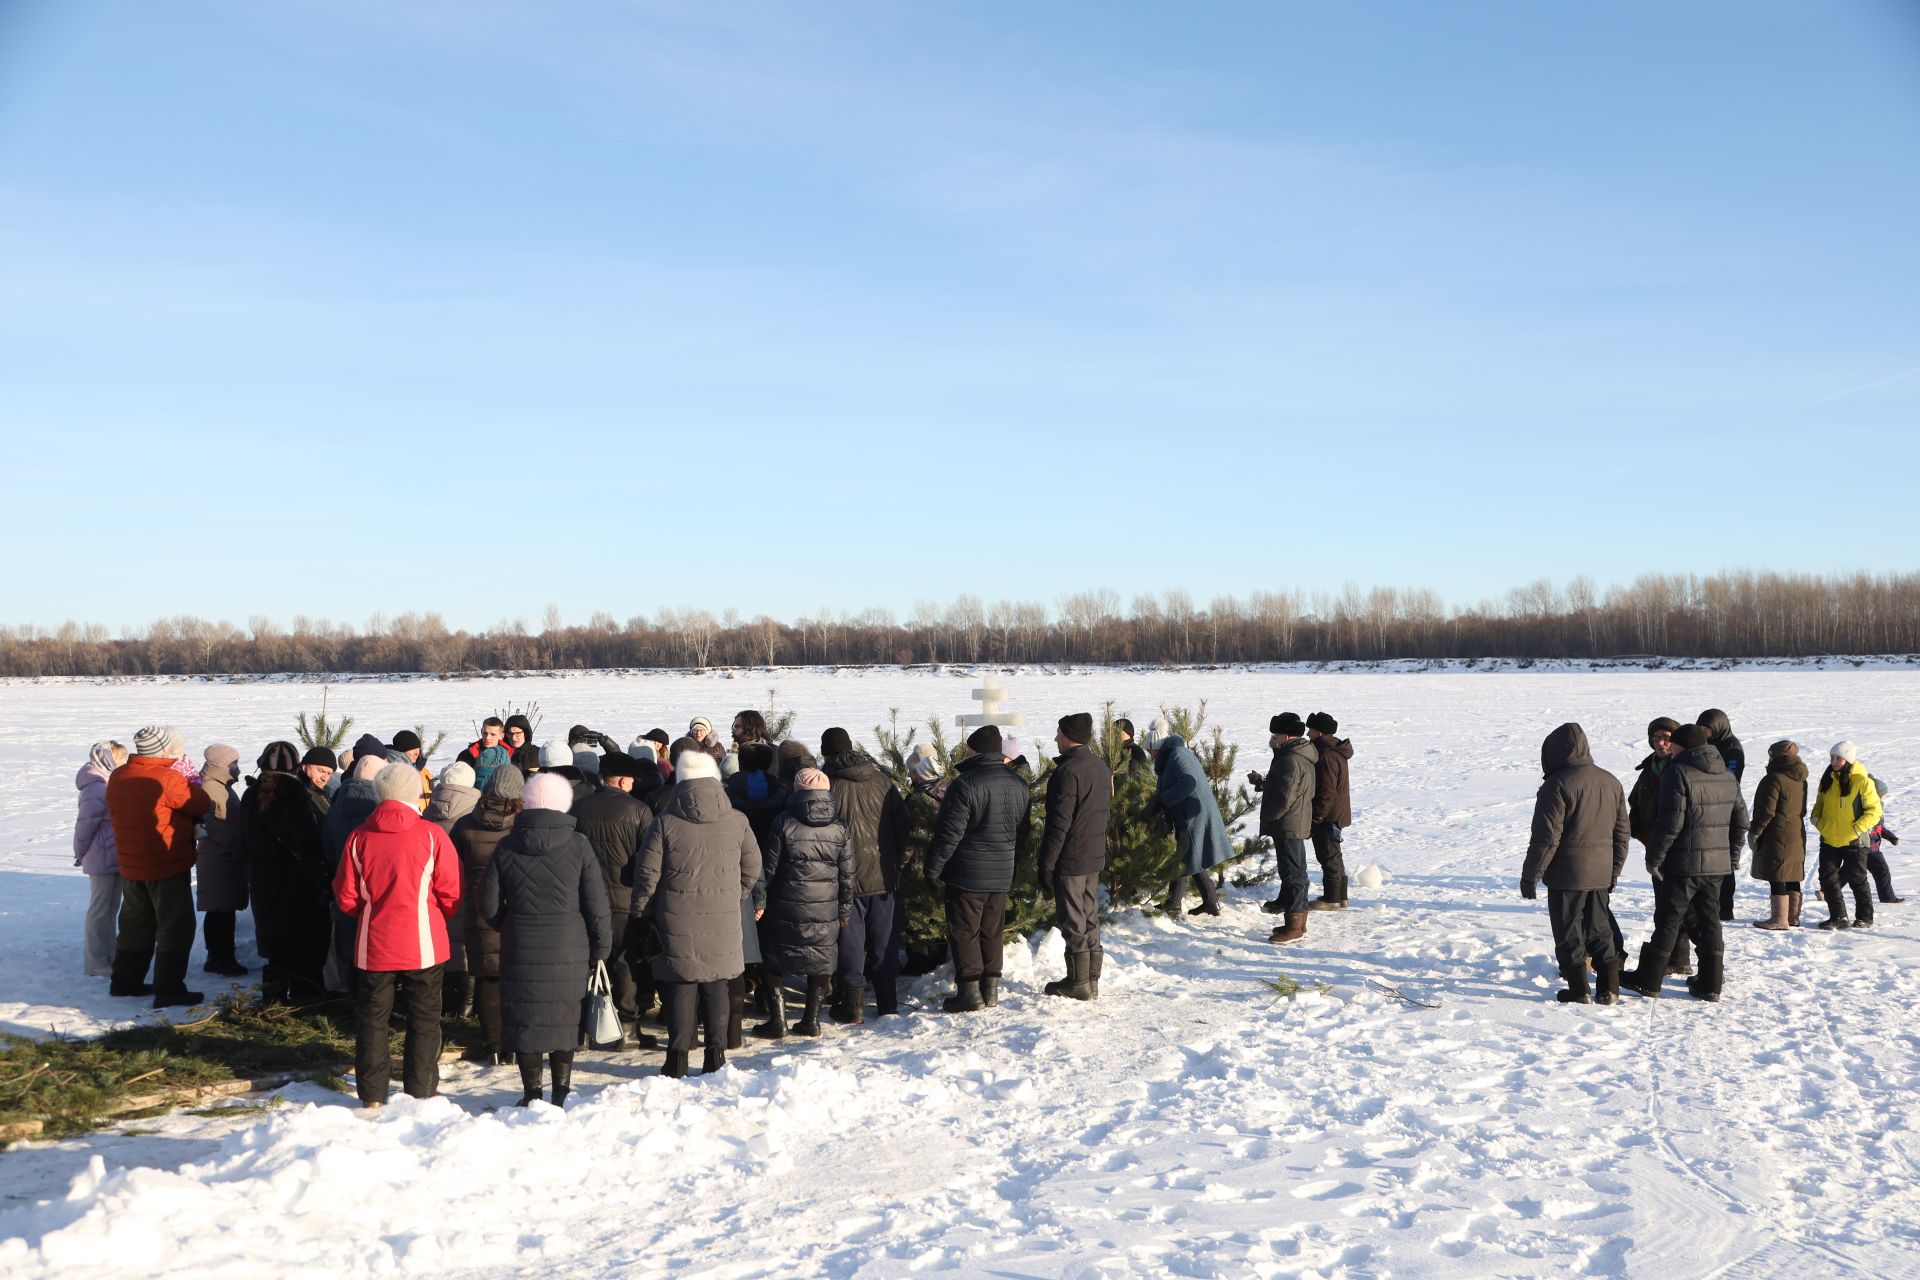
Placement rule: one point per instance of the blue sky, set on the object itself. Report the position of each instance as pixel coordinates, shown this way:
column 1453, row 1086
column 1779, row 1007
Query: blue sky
column 340, row 308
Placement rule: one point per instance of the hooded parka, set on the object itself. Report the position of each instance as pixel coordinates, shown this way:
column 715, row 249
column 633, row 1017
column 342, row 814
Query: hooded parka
column 696, row 863
column 544, row 894
column 1580, row 828
column 1779, row 834
column 810, row 886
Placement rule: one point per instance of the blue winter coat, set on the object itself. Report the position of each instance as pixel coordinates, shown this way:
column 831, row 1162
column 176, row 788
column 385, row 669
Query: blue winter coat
column 1184, row 798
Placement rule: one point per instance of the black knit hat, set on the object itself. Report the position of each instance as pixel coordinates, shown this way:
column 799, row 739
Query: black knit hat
column 986, row 740
column 756, row 755
column 1323, row 722
column 618, row 764
column 1077, row 727
column 1663, row 724
column 657, row 735
column 1689, row 736
column 835, row 742
column 320, row 755
column 406, row 740
column 368, row 745
column 1289, row 723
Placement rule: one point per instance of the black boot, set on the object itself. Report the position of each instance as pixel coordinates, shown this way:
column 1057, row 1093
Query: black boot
column 715, row 1059
column 1647, row 978
column 1273, row 908
column 170, row 981
column 849, row 1005
column 530, row 1064
column 1575, row 976
column 562, row 1066
column 1711, row 978
column 129, row 975
column 675, row 1067
column 965, row 998
column 1078, row 984
column 809, row 1024
column 736, row 1011
column 775, row 1027
column 1093, row 972
column 990, row 990
column 217, row 929
column 886, row 998
column 1607, row 983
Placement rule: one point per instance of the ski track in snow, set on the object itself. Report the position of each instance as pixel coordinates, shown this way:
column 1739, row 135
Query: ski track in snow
column 1190, row 1123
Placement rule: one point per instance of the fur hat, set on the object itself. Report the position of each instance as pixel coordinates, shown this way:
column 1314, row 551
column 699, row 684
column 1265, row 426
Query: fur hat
column 279, row 756
column 695, row 763
column 319, row 756
column 1847, row 751
column 1660, row 725
column 397, row 782
column 1323, row 722
column 555, row 754
column 406, row 740
column 756, row 755
column 548, row 791
column 587, row 761
column 986, row 740
column 1689, row 736
column 618, row 764
column 1289, row 723
column 160, row 740
column 507, row 782
column 811, row 780
column 835, row 742
column 1077, row 727
column 457, row 774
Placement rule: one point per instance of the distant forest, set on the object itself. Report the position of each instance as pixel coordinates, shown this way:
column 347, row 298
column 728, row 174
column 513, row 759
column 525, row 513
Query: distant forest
column 1731, row 615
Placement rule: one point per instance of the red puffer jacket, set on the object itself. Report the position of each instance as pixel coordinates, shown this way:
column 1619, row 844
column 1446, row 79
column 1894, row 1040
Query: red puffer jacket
column 399, row 878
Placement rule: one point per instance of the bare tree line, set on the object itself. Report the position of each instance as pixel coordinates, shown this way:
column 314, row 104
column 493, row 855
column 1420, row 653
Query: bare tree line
column 1738, row 614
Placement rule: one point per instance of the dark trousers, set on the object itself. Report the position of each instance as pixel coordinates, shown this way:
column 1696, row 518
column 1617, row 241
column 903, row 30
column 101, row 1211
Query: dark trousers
column 870, row 944
column 1333, row 866
column 1839, row 868
column 1882, row 874
column 486, row 1007
column 1290, row 858
column 1726, row 896
column 1177, row 891
column 688, row 1003
column 218, row 930
column 624, row 966
column 1583, row 928
column 1680, row 955
column 373, row 1010
column 1076, row 908
column 974, row 924
column 156, row 917
column 1691, row 903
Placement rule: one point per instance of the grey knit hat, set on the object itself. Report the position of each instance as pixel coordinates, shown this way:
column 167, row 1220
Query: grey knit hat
column 398, row 782
column 507, row 782
column 162, row 740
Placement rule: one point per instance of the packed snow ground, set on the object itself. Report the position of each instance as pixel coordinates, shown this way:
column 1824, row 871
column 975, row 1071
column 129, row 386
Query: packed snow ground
column 1191, row 1123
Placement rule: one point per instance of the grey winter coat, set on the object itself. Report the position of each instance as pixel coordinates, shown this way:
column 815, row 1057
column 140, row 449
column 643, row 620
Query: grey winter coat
column 810, row 878
column 983, row 824
column 1702, row 821
column 1287, row 792
column 1580, row 827
column 1779, row 835
column 696, row 863
column 544, row 893
column 876, row 819
column 220, row 855
column 1184, row 797
column 449, row 803
column 475, row 839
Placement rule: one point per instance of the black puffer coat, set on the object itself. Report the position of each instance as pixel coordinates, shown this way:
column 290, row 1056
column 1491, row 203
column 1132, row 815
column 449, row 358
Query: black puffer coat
column 982, row 826
column 876, row 818
column 475, row 837
column 613, row 822
column 1079, row 804
column 1580, row 829
column 762, row 811
column 545, row 895
column 287, row 873
column 696, row 862
column 1720, row 736
column 1702, row 821
column 810, row 886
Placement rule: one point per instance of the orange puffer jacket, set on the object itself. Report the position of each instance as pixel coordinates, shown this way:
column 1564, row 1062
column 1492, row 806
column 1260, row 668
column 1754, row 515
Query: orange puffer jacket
column 152, row 809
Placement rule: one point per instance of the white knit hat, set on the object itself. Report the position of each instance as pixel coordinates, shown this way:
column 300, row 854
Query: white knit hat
column 695, row 763
column 162, row 740
column 548, row 791
column 1844, row 749
column 1157, row 732
column 457, row 774
column 555, row 754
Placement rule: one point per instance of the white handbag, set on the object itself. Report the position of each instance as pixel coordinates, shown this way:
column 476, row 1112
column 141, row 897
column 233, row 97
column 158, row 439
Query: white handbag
column 600, row 1021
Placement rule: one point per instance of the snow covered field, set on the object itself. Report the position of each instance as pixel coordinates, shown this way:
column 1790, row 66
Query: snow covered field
column 1191, row 1123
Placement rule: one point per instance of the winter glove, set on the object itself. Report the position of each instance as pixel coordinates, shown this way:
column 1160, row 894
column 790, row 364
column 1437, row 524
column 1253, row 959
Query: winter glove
column 1889, row 837
column 1046, row 884
column 1257, row 781
column 1529, row 890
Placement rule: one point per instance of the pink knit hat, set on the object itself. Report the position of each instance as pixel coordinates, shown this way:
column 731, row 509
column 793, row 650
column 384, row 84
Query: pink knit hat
column 811, row 780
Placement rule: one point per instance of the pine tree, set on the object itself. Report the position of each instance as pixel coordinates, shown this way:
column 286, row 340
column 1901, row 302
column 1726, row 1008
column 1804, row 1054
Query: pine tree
column 1141, row 853
column 318, row 732
column 426, row 751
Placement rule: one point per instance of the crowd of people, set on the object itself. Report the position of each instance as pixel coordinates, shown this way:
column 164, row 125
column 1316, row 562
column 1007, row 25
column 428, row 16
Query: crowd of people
column 1687, row 810
column 711, row 878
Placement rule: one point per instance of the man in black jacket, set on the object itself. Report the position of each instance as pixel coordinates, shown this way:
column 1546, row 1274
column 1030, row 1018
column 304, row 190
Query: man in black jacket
column 1580, row 838
column 876, row 816
column 613, row 822
column 1138, row 761
column 1702, row 821
column 1073, row 852
column 982, row 825
column 1720, row 734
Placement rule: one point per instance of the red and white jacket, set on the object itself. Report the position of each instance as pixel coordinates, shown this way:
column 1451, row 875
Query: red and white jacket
column 399, row 877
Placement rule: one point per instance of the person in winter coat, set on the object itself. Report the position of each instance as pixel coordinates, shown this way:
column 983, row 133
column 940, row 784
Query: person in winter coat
column 220, row 869
column 700, row 729
column 1845, row 809
column 696, row 862
column 93, row 853
column 1877, row 859
column 520, row 746
column 1580, row 840
column 493, row 732
column 153, row 808
column 810, row 874
column 1286, row 818
column 398, row 881
column 453, row 797
column 545, row 893
column 1720, row 734
column 352, row 805
column 288, row 881
column 1138, row 761
column 1073, row 852
column 1778, row 836
column 490, row 759
column 1183, row 798
column 1643, row 805
column 754, row 791
column 1332, row 809
column 476, row 837
column 613, row 822
column 983, row 824
column 876, row 819
column 1698, row 832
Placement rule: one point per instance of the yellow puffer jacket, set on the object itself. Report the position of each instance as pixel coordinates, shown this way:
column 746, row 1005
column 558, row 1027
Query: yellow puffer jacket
column 1844, row 819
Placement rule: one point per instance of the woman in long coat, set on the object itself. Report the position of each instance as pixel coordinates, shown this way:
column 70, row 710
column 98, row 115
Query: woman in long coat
column 289, row 882
column 475, row 838
column 545, row 894
column 809, row 874
column 1184, row 798
column 1779, row 832
column 220, row 861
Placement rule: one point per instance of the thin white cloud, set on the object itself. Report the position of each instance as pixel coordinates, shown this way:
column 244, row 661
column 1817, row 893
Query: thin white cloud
column 1902, row 376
